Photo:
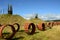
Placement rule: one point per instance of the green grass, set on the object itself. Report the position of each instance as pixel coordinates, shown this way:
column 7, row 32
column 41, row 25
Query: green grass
column 36, row 20
column 49, row 34
column 10, row 19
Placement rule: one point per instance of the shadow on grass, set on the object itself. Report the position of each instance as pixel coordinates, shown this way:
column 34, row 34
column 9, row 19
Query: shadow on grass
column 18, row 38
column 21, row 31
column 6, row 33
column 36, row 32
column 33, row 33
column 15, row 38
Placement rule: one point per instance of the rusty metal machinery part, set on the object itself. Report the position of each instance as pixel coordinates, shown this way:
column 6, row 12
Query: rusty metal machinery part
column 17, row 26
column 27, row 28
column 0, row 25
column 41, row 26
column 13, row 31
column 50, row 25
column 33, row 28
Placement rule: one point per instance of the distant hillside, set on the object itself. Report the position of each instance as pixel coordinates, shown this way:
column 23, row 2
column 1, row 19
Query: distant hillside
column 53, row 20
column 36, row 20
column 10, row 19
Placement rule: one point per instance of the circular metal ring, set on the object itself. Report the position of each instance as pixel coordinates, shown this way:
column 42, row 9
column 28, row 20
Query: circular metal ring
column 27, row 28
column 41, row 26
column 17, row 26
column 13, row 30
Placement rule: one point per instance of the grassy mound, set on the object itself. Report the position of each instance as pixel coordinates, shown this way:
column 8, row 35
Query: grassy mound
column 10, row 19
column 50, row 34
column 36, row 21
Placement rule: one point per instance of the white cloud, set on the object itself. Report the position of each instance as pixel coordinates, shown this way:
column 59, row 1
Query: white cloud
column 51, row 17
column 28, row 16
column 44, row 17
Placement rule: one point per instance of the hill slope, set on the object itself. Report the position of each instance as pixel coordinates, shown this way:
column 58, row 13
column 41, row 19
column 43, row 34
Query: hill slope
column 49, row 34
column 10, row 19
column 36, row 21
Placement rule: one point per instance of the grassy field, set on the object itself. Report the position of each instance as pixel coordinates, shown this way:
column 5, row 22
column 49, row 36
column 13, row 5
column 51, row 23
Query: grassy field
column 49, row 34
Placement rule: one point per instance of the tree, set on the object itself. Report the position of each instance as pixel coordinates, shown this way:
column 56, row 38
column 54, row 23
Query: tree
column 36, row 16
column 10, row 9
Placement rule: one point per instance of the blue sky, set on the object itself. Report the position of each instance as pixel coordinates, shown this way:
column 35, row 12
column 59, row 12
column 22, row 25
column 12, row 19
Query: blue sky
column 46, row 9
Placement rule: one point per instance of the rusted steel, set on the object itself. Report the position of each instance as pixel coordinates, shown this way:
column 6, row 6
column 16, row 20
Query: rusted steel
column 27, row 27
column 41, row 26
column 2, row 28
column 33, row 28
column 49, row 25
column 17, row 26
